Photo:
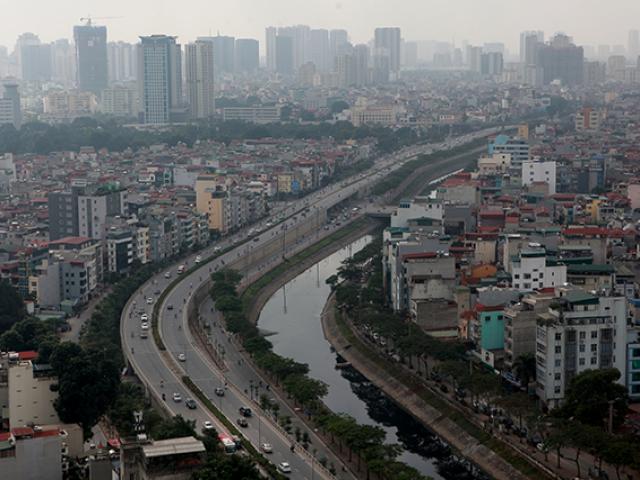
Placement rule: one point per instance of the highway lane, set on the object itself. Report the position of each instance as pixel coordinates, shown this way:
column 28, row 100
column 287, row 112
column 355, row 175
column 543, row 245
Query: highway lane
column 160, row 371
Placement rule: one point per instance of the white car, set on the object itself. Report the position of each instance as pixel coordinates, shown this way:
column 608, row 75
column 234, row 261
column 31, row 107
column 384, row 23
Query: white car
column 144, row 326
column 167, row 275
column 182, row 357
column 207, row 425
column 198, row 259
column 284, row 467
column 177, row 397
column 144, row 317
column 266, row 448
column 149, row 300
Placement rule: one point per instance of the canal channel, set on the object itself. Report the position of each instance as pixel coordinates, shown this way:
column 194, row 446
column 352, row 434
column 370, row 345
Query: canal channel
column 292, row 316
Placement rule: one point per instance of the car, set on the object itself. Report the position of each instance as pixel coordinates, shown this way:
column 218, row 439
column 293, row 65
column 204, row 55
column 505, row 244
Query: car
column 167, row 275
column 190, row 403
column 177, row 397
column 144, row 317
column 242, row 422
column 169, row 307
column 216, row 249
column 245, row 411
column 266, row 448
column 219, row 392
column 198, row 259
column 182, row 357
column 284, row 467
column 144, row 326
column 207, row 425
column 157, row 292
column 149, row 300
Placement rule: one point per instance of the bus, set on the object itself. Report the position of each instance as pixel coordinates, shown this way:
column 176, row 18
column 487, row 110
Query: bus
column 227, row 442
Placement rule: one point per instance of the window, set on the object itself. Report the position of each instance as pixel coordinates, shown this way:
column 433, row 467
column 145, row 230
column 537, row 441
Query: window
column 558, row 363
column 594, row 334
column 635, row 377
column 527, row 276
column 541, row 274
column 516, row 276
column 558, row 337
column 583, row 335
column 594, row 360
column 594, row 347
column 635, row 352
column 556, row 389
column 557, row 376
column 558, row 349
column 581, row 361
column 582, row 348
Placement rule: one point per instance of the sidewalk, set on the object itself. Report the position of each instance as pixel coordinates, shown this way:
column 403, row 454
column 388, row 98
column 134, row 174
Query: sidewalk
column 76, row 322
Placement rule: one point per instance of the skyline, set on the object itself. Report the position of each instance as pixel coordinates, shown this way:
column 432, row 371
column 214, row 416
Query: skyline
column 476, row 22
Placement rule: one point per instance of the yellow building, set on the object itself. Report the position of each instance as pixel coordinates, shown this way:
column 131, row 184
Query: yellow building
column 211, row 199
column 284, row 182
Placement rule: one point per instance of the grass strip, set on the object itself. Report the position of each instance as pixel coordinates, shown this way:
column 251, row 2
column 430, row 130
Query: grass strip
column 246, row 445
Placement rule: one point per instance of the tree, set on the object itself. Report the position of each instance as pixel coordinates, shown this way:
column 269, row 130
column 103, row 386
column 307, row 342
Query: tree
column 588, row 396
column 12, row 307
column 524, row 368
column 87, row 385
column 619, row 453
column 339, row 106
column 227, row 467
column 174, row 427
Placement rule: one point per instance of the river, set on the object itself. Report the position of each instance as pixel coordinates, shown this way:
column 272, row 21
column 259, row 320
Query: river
column 292, row 315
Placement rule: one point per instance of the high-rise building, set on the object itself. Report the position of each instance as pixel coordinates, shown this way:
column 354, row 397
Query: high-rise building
column 474, row 58
column 10, row 110
column 122, row 61
column 345, row 68
column 91, row 55
column 528, row 46
column 199, row 66
column 338, row 42
column 361, row 54
column 409, row 54
column 224, row 53
column 300, row 42
column 4, row 61
column 491, row 64
column 270, row 45
column 388, row 39
column 319, row 51
column 34, row 58
column 561, row 60
column 63, row 62
column 160, row 78
column 247, row 55
column 284, row 55
column 633, row 44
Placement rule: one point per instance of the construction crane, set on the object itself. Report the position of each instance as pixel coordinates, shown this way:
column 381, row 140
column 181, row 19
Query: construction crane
column 89, row 19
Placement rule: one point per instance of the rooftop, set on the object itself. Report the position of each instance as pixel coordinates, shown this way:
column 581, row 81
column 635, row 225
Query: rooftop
column 173, row 446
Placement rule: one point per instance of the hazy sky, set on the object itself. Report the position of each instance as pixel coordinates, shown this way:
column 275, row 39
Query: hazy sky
column 588, row 21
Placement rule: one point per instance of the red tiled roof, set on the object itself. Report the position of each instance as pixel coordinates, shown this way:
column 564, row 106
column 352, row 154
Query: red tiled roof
column 47, row 433
column 22, row 431
column 70, row 240
column 488, row 308
column 410, row 256
column 28, row 355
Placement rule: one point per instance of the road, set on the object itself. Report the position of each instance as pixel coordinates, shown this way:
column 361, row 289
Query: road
column 301, row 223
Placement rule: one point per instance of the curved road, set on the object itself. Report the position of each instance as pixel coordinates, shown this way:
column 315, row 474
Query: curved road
column 161, row 371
